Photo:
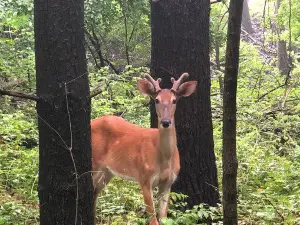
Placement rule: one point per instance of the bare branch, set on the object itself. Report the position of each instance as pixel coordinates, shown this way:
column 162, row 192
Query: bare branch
column 19, row 95
column 215, row 1
column 96, row 93
column 265, row 94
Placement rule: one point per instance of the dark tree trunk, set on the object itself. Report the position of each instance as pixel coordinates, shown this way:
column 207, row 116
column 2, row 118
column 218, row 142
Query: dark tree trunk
column 230, row 163
column 246, row 18
column 65, row 185
column 180, row 43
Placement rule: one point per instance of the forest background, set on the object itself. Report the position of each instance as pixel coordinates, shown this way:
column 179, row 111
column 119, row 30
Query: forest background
column 118, row 51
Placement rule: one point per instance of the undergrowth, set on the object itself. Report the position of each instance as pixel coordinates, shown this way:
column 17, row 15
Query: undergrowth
column 267, row 143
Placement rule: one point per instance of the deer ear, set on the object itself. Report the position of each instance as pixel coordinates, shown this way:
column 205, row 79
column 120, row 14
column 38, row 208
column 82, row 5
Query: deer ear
column 186, row 89
column 146, row 88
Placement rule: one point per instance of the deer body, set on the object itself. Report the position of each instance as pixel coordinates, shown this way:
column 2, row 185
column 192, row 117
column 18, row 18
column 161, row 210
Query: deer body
column 148, row 156
column 151, row 152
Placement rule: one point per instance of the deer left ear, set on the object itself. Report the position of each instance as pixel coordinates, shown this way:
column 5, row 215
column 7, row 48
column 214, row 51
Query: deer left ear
column 186, row 89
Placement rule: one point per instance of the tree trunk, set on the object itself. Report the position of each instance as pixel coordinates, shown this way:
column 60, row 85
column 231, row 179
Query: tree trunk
column 180, row 43
column 246, row 18
column 65, row 185
column 230, row 163
column 282, row 55
column 221, row 82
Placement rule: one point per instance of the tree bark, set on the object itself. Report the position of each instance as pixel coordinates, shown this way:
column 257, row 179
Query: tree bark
column 246, row 18
column 282, row 55
column 230, row 163
column 180, row 43
column 65, row 185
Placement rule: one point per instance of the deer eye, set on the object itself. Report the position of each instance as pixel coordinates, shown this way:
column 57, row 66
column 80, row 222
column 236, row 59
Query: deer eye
column 174, row 101
column 156, row 101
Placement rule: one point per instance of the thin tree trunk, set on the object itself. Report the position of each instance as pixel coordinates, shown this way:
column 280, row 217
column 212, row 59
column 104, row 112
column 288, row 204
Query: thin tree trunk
column 230, row 163
column 221, row 82
column 180, row 43
column 65, row 185
column 282, row 55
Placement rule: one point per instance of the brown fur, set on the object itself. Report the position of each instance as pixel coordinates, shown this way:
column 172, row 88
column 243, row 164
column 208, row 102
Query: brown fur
column 148, row 156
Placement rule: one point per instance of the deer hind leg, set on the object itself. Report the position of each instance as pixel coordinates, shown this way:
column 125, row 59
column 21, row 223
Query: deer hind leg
column 163, row 199
column 148, row 199
column 101, row 178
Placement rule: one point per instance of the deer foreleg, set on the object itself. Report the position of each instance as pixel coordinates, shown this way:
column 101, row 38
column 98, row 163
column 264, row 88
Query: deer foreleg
column 100, row 179
column 163, row 199
column 148, row 199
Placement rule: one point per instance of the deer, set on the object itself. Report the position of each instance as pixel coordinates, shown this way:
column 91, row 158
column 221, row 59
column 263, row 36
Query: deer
column 148, row 156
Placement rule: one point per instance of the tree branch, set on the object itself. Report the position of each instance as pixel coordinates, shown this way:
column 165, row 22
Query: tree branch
column 93, row 55
column 112, row 66
column 19, row 95
column 215, row 1
column 96, row 93
column 96, row 44
column 265, row 94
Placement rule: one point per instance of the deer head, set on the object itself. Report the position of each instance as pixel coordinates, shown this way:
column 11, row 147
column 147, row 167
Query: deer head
column 166, row 99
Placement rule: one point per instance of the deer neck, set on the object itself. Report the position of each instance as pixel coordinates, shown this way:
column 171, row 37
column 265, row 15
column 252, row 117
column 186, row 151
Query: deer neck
column 167, row 142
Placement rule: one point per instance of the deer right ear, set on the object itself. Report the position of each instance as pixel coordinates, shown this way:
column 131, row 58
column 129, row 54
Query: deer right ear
column 146, row 88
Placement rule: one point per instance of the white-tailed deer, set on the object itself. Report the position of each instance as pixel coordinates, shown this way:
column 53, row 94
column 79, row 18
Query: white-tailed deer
column 146, row 155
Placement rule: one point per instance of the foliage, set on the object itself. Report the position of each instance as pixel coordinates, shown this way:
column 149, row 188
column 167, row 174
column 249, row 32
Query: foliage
column 267, row 142
column 284, row 19
column 199, row 214
column 120, row 95
column 16, row 41
column 122, row 27
column 13, row 213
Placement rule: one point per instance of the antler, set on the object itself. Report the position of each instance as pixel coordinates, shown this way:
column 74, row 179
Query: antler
column 155, row 83
column 176, row 83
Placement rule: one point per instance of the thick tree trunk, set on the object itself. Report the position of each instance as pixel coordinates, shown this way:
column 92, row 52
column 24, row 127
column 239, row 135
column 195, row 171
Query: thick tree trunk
column 65, row 186
column 180, row 43
column 230, row 163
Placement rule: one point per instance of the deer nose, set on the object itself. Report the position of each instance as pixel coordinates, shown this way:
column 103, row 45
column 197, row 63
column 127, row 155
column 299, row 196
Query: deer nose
column 165, row 123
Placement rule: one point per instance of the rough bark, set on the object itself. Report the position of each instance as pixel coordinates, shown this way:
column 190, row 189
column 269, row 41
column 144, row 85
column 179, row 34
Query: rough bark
column 180, row 43
column 230, row 163
column 65, row 186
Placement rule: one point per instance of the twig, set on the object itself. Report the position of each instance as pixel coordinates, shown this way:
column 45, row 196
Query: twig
column 19, row 95
column 244, row 31
column 71, row 154
column 52, row 128
column 274, row 89
column 271, row 203
column 95, row 94
column 112, row 66
column 215, row 1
